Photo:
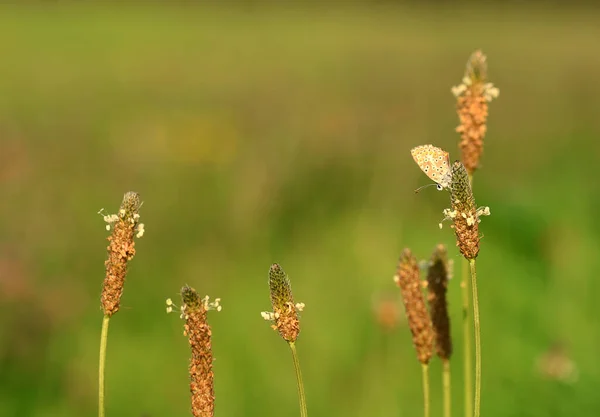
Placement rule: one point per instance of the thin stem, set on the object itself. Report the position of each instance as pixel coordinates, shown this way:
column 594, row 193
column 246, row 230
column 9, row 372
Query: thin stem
column 301, row 396
column 447, row 389
column 477, row 338
column 425, row 369
column 467, row 351
column 102, row 364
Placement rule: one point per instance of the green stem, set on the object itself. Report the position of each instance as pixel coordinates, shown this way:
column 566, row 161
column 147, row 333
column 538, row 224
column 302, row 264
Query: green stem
column 447, row 389
column 102, row 364
column 301, row 396
column 477, row 338
column 425, row 369
column 468, row 390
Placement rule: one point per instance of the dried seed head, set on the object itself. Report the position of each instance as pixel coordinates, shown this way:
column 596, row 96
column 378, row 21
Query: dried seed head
column 407, row 278
column 438, row 274
column 285, row 312
column 194, row 311
column 473, row 96
column 121, row 249
column 464, row 213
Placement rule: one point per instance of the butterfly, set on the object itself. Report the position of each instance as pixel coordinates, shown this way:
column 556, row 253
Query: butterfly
column 435, row 163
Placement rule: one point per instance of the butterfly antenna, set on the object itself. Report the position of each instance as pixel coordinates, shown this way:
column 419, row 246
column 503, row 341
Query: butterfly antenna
column 423, row 186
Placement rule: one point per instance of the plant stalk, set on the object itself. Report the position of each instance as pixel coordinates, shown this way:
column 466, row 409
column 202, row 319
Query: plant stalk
column 447, row 389
column 467, row 349
column 477, row 338
column 102, row 365
column 425, row 369
column 301, row 396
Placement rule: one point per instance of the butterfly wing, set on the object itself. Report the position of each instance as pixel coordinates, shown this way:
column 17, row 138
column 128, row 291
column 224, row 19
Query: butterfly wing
column 434, row 162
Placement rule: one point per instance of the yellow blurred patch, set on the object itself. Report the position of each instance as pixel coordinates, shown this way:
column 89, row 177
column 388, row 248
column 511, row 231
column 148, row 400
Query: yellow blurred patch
column 181, row 139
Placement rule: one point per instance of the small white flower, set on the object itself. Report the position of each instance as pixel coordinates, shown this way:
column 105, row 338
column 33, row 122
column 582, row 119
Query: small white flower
column 483, row 211
column 269, row 315
column 490, row 92
column 170, row 305
column 449, row 214
column 459, row 90
column 110, row 219
column 215, row 305
column 140, row 230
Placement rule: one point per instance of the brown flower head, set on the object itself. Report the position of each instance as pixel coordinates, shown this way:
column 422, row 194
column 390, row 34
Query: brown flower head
column 472, row 96
column 285, row 312
column 121, row 249
column 408, row 279
column 464, row 213
column 194, row 312
column 437, row 284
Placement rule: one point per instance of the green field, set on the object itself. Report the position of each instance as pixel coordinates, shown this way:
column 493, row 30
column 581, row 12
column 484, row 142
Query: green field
column 282, row 135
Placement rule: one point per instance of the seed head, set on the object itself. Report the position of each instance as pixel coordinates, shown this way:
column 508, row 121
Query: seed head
column 285, row 312
column 121, row 249
column 464, row 213
column 437, row 283
column 194, row 312
column 473, row 96
column 407, row 278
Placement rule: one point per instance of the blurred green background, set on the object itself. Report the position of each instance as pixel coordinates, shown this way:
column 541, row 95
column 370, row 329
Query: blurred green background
column 282, row 134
